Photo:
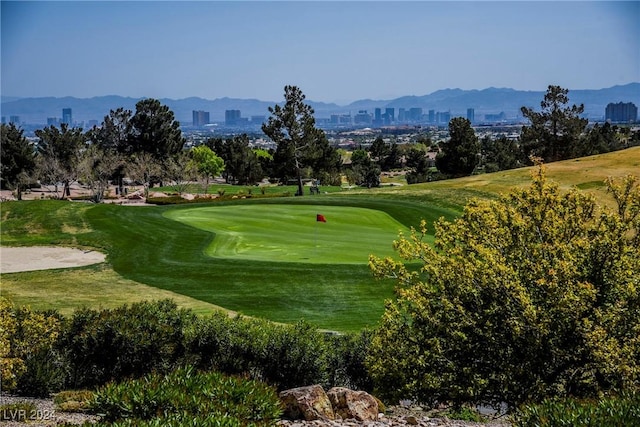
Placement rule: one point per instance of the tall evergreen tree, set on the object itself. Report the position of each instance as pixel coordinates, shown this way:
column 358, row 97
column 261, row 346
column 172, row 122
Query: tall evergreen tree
column 555, row 132
column 155, row 130
column 293, row 128
column 460, row 154
column 17, row 159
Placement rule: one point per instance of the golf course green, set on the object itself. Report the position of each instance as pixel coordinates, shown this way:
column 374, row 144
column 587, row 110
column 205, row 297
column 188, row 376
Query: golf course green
column 293, row 233
column 263, row 257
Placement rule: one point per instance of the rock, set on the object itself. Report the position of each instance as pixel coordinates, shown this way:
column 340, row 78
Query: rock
column 359, row 405
column 412, row 420
column 307, row 403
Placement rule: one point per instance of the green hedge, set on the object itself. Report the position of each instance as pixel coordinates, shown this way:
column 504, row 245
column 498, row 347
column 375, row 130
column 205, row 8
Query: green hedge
column 284, row 356
column 622, row 410
column 185, row 396
column 94, row 347
column 129, row 341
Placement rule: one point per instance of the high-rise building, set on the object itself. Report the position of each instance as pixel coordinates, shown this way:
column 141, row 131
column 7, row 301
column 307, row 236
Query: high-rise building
column 200, row 118
column 52, row 121
column 377, row 117
column 232, row 117
column 14, row 119
column 363, row 118
column 471, row 115
column 621, row 112
column 67, row 116
column 389, row 115
column 415, row 114
column 443, row 117
column 432, row 116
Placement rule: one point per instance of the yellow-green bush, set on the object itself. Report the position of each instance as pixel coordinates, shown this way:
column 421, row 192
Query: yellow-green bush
column 535, row 294
column 27, row 341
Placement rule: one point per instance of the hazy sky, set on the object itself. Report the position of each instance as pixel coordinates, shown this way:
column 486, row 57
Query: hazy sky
column 335, row 51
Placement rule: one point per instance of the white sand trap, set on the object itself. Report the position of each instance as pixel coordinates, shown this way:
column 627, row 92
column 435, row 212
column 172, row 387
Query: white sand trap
column 14, row 260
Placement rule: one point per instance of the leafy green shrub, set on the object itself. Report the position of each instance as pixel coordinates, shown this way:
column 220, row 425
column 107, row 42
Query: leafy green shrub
column 290, row 355
column 282, row 355
column 347, row 360
column 221, row 343
column 536, row 294
column 463, row 413
column 29, row 362
column 72, row 400
column 185, row 395
column 128, row 341
column 170, row 200
column 20, row 411
column 623, row 410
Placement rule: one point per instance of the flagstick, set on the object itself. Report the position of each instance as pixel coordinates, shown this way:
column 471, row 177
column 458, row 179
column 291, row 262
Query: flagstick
column 315, row 240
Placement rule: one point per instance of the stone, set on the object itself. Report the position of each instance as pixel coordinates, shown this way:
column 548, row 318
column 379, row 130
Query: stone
column 306, row 403
column 411, row 420
column 358, row 405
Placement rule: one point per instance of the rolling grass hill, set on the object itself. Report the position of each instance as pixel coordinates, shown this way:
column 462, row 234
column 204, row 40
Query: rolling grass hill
column 585, row 173
column 190, row 251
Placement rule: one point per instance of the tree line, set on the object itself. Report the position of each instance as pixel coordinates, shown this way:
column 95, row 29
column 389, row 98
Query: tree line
column 147, row 146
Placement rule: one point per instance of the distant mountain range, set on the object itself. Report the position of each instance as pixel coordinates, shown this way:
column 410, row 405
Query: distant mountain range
column 485, row 101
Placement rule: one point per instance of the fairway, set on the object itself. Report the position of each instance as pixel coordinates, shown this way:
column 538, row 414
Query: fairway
column 291, row 233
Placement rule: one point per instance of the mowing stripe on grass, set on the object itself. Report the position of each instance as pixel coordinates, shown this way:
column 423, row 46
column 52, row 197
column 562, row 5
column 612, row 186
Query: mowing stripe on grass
column 291, row 233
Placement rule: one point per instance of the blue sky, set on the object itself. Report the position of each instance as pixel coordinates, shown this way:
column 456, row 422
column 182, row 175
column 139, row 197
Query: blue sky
column 335, row 51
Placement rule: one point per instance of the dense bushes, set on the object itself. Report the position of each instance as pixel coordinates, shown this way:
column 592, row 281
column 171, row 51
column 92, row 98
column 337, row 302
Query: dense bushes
column 100, row 346
column 29, row 362
column 94, row 347
column 187, row 397
column 623, row 410
column 282, row 355
column 536, row 294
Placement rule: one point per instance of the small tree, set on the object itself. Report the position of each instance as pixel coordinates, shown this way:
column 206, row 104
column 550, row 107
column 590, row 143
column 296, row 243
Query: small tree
column 97, row 167
column 460, row 154
column 59, row 154
column 207, row 163
column 143, row 167
column 179, row 170
column 365, row 171
column 115, row 137
column 242, row 164
column 536, row 294
column 419, row 163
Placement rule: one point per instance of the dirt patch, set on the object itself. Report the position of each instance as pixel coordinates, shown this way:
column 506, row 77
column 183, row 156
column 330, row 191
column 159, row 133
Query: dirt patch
column 18, row 259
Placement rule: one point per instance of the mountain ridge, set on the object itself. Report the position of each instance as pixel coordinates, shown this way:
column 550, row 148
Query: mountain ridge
column 490, row 100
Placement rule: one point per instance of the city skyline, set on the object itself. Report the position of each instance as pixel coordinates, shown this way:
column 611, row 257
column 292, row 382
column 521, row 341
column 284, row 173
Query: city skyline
column 334, row 51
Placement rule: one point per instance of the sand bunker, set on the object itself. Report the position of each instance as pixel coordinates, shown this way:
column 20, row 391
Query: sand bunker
column 13, row 260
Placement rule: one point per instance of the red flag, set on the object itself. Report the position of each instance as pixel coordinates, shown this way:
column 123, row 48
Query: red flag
column 320, row 218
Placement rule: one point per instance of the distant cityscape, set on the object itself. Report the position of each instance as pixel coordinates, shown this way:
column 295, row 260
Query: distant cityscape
column 617, row 113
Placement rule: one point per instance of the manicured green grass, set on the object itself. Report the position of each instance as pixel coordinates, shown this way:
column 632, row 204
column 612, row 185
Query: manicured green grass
column 93, row 286
column 291, row 233
column 147, row 247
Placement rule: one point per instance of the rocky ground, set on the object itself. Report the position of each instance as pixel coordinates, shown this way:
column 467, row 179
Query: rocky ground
column 47, row 416
column 44, row 416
